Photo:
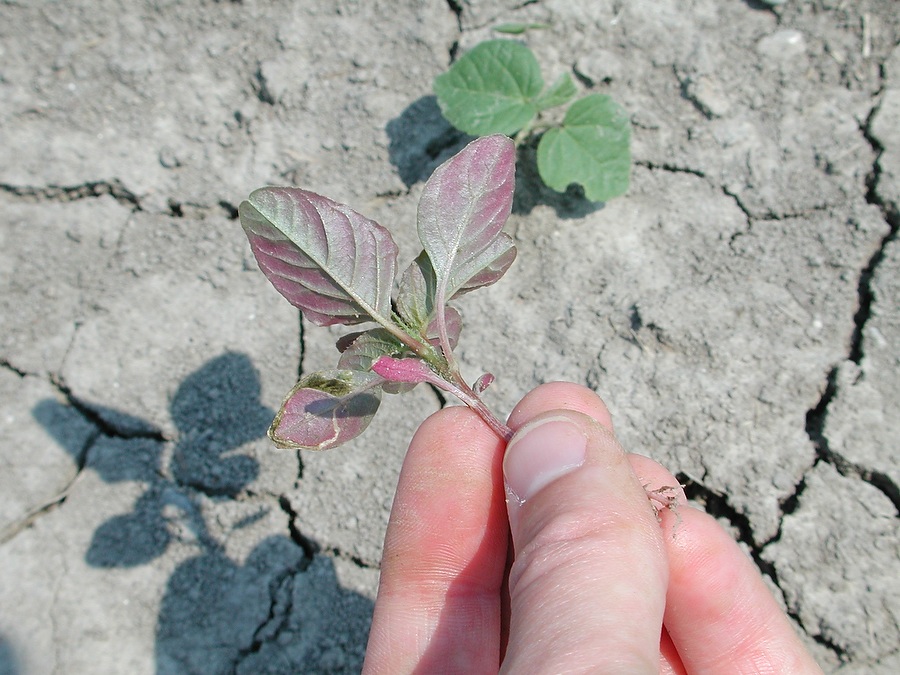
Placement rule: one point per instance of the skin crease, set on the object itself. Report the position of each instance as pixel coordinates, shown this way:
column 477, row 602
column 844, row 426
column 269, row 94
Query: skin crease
column 599, row 583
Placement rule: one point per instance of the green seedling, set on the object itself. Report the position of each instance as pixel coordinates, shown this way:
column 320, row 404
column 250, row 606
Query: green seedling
column 497, row 88
column 339, row 267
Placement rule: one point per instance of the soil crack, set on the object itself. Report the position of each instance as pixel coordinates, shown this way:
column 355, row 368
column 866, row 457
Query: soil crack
column 717, row 505
column 815, row 429
column 70, row 193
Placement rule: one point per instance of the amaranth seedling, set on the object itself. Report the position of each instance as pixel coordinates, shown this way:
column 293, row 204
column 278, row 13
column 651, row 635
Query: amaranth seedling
column 339, row 267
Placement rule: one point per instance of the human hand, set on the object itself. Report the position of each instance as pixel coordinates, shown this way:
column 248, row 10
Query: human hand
column 597, row 583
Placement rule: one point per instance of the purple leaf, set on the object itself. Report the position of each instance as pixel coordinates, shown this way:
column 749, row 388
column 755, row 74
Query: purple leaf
column 462, row 209
column 326, row 409
column 335, row 265
column 492, row 264
column 483, row 383
column 453, row 322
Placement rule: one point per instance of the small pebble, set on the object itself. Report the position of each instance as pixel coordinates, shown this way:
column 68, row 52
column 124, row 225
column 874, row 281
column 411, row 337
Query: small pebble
column 774, row 3
column 784, row 44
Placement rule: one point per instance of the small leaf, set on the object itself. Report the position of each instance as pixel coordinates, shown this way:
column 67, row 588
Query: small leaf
column 592, row 148
column 326, row 409
column 560, row 92
column 514, row 28
column 415, row 293
column 366, row 348
column 483, row 383
column 490, row 89
column 463, row 206
column 335, row 265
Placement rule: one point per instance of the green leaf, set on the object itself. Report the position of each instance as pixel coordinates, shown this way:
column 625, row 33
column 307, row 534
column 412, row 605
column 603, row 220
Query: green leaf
column 515, row 28
column 491, row 89
column 591, row 148
column 561, row 91
column 415, row 294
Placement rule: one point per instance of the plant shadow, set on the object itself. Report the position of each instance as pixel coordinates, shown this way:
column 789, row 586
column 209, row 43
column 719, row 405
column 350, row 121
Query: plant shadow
column 420, row 139
column 217, row 611
column 9, row 664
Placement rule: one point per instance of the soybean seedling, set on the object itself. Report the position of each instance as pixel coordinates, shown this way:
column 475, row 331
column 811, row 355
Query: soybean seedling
column 339, row 267
column 497, row 88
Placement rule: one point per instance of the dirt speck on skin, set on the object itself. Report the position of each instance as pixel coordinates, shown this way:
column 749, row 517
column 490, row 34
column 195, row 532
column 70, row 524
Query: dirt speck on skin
column 737, row 309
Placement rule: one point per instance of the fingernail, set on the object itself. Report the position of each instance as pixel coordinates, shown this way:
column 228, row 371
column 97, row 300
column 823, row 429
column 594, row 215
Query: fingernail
column 541, row 452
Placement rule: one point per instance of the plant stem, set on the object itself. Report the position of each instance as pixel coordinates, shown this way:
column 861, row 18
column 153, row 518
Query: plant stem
column 464, row 393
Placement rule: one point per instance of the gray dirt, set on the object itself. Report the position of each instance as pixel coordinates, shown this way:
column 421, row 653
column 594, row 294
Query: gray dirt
column 737, row 309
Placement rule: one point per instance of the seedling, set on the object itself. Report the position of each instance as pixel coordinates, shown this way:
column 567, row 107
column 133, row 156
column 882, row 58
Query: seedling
column 497, row 88
column 339, row 267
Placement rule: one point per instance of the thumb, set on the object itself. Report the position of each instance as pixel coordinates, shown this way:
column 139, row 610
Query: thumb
column 588, row 582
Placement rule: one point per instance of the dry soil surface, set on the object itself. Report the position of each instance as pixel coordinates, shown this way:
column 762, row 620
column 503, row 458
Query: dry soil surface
column 737, row 309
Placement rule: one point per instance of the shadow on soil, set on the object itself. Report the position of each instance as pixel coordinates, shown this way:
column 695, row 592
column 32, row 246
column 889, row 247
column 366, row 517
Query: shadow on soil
column 218, row 614
column 9, row 664
column 421, row 139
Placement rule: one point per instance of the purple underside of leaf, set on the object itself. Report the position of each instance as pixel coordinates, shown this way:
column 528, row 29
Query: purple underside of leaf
column 453, row 321
column 462, row 209
column 491, row 264
column 325, row 410
column 326, row 259
column 483, row 383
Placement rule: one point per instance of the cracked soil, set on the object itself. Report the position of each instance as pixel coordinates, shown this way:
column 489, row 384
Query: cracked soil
column 737, row 309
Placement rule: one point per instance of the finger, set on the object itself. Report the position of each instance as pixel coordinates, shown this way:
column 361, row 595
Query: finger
column 720, row 615
column 560, row 396
column 587, row 587
column 655, row 479
column 438, row 607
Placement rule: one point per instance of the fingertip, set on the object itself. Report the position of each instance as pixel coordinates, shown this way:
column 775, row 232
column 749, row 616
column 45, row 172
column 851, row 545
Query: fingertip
column 560, row 396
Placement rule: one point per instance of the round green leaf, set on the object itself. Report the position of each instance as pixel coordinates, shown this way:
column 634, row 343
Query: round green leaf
column 591, row 148
column 490, row 89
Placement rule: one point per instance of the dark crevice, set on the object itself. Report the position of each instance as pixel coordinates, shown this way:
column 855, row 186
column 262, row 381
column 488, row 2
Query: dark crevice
column 301, row 330
column 71, row 193
column 717, row 506
column 671, row 168
column 815, row 429
column 816, row 417
column 442, row 400
column 307, row 545
column 175, row 209
column 457, row 10
column 230, row 209
column 106, row 427
column 892, row 217
column 281, row 604
column 10, row 367
column 737, row 200
column 261, row 87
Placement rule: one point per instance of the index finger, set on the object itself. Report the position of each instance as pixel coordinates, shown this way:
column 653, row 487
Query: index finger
column 438, row 607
